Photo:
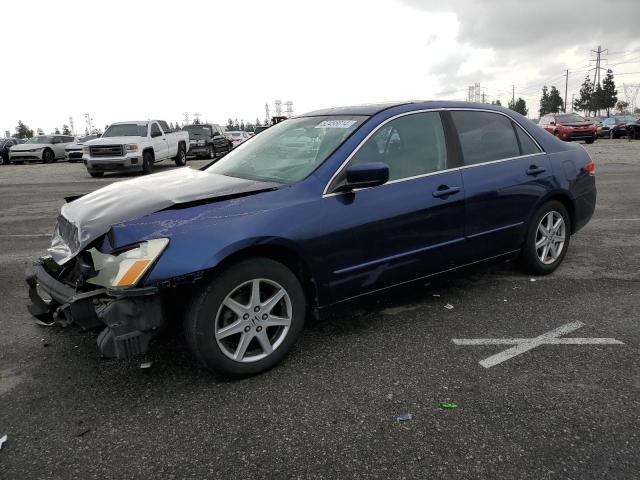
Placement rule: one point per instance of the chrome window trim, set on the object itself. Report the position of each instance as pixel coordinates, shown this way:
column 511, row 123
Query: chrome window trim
column 374, row 131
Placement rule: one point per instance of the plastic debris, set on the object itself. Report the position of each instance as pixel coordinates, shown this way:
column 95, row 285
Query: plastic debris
column 3, row 439
column 83, row 432
column 532, row 279
column 45, row 324
column 145, row 365
column 403, row 417
column 448, row 306
column 448, row 405
column 436, row 295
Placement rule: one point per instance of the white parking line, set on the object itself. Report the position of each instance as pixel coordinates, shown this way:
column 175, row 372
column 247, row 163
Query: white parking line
column 525, row 344
column 26, row 235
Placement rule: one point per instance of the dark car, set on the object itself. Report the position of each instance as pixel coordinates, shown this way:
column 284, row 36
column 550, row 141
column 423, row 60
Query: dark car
column 569, row 126
column 616, row 126
column 241, row 250
column 633, row 129
column 5, row 145
column 260, row 128
column 207, row 140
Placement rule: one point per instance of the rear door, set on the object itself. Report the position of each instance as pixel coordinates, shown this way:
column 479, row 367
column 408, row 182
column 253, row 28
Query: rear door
column 505, row 175
column 220, row 142
column 159, row 142
column 408, row 228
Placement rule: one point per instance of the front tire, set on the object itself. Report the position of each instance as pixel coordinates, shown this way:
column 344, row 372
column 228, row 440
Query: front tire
column 48, row 156
column 212, row 152
column 147, row 163
column 247, row 319
column 96, row 174
column 547, row 239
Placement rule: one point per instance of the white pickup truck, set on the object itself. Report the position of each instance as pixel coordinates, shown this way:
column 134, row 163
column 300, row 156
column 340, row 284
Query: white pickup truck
column 134, row 146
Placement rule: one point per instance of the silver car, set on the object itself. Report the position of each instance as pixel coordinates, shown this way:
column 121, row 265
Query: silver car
column 46, row 148
column 73, row 151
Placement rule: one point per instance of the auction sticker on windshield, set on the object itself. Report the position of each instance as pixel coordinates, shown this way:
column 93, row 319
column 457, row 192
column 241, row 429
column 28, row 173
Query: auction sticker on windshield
column 335, row 124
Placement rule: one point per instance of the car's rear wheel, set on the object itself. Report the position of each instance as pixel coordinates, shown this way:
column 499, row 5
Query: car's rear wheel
column 96, row 174
column 181, row 157
column 48, row 156
column 147, row 162
column 547, row 239
column 247, row 318
column 589, row 140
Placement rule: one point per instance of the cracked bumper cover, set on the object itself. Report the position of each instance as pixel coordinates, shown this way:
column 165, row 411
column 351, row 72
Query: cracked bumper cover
column 130, row 317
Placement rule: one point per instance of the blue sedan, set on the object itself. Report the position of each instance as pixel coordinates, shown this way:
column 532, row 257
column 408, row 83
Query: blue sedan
column 313, row 212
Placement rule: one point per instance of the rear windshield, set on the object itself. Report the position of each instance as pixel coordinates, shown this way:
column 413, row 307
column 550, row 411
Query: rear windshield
column 197, row 130
column 126, row 130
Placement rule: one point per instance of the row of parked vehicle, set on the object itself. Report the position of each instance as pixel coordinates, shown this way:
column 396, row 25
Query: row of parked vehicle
column 126, row 146
column 571, row 126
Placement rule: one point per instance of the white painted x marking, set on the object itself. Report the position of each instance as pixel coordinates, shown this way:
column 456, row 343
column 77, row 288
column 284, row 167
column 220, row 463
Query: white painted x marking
column 522, row 345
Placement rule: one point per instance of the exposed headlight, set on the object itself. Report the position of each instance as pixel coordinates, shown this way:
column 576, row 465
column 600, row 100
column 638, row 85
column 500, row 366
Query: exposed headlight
column 131, row 147
column 127, row 268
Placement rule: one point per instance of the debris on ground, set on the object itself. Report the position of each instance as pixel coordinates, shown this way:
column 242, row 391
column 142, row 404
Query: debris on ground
column 45, row 324
column 436, row 295
column 403, row 417
column 448, row 306
column 448, row 405
column 145, row 365
column 390, row 396
column 83, row 432
column 2, row 440
column 532, row 279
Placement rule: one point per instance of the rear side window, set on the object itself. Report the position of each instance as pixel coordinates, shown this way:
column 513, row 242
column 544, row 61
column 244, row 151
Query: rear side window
column 164, row 126
column 485, row 137
column 411, row 145
column 527, row 146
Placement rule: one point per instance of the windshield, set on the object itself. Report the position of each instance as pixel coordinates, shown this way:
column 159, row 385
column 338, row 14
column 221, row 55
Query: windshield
column 570, row 118
column 40, row 139
column 126, row 130
column 197, row 130
column 288, row 151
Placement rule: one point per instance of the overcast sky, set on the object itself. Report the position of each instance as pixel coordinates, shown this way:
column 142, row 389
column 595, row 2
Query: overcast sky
column 140, row 59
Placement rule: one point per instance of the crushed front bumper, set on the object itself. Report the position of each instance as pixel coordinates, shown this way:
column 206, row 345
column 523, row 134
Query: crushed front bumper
column 129, row 317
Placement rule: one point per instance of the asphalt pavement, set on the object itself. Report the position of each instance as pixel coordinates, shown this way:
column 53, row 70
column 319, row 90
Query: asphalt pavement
column 555, row 410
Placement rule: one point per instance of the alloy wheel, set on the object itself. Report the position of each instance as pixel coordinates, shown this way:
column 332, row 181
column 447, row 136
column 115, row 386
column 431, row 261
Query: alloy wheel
column 550, row 237
column 253, row 320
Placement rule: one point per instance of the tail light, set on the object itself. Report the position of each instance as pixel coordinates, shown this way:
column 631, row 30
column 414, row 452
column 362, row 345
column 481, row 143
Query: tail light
column 590, row 168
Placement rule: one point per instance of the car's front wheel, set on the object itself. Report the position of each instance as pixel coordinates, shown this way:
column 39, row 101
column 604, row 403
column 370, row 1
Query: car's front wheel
column 212, row 152
column 181, row 157
column 247, row 318
column 147, row 163
column 47, row 156
column 547, row 239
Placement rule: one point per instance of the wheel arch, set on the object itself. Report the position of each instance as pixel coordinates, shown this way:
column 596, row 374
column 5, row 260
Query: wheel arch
column 150, row 150
column 283, row 253
column 566, row 200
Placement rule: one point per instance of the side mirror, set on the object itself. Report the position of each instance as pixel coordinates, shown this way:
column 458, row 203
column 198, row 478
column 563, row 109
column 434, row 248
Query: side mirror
column 365, row 175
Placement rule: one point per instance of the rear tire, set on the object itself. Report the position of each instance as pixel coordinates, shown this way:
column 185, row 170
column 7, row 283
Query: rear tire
column 181, row 157
column 591, row 140
column 147, row 163
column 96, row 174
column 544, row 248
column 260, row 338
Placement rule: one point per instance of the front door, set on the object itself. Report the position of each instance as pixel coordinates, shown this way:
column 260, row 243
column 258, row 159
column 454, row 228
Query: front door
column 408, row 228
column 159, row 141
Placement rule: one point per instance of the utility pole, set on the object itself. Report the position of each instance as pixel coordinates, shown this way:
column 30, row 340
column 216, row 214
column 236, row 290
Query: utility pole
column 571, row 103
column 483, row 94
column 566, row 87
column 73, row 130
column 88, row 119
column 513, row 96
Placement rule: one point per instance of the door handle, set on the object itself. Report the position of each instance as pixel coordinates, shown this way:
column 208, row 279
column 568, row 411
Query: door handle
column 444, row 191
column 535, row 170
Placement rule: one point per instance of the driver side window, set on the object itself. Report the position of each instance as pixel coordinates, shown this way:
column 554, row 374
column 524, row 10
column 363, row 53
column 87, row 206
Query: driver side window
column 155, row 130
column 410, row 146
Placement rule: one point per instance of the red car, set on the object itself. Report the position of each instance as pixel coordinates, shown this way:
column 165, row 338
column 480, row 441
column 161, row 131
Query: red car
column 569, row 126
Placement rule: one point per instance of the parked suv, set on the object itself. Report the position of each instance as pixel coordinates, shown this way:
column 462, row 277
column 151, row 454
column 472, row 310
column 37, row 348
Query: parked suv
column 569, row 126
column 47, row 148
column 134, row 146
column 5, row 145
column 207, row 140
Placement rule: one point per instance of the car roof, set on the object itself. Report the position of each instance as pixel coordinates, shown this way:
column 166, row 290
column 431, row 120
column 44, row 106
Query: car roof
column 137, row 122
column 374, row 108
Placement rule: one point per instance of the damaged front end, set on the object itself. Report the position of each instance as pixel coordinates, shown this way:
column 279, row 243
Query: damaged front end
column 95, row 290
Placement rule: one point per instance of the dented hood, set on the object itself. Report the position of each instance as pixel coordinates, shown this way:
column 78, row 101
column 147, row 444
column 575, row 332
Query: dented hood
column 88, row 217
